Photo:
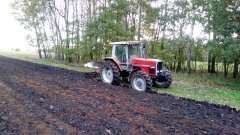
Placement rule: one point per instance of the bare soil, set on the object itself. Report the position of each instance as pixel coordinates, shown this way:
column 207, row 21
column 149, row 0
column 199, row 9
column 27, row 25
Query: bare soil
column 39, row 99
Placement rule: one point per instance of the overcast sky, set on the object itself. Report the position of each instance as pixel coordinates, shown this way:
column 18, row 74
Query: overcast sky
column 12, row 34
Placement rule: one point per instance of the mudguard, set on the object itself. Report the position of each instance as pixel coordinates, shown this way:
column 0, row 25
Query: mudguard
column 115, row 60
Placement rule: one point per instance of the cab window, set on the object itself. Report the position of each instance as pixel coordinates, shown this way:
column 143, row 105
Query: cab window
column 135, row 52
column 120, row 53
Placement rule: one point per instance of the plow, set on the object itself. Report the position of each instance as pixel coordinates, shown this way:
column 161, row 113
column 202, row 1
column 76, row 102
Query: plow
column 129, row 62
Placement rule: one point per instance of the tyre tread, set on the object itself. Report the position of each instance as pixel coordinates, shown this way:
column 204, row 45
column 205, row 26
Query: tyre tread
column 148, row 79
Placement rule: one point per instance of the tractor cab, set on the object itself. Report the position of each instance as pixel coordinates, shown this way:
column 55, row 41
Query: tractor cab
column 124, row 52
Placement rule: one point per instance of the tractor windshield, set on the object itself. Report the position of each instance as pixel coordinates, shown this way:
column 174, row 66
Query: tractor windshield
column 136, row 51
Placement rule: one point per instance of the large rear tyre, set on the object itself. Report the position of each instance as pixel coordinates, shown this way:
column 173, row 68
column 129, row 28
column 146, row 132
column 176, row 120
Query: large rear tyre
column 164, row 80
column 140, row 81
column 110, row 73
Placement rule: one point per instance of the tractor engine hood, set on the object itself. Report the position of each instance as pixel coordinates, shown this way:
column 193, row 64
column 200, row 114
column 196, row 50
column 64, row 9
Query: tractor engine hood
column 144, row 62
column 151, row 66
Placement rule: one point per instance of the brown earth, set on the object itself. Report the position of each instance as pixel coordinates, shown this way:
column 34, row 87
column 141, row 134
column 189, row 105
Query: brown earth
column 39, row 99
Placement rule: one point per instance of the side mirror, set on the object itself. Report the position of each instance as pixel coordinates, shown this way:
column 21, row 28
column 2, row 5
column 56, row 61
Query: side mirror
column 144, row 46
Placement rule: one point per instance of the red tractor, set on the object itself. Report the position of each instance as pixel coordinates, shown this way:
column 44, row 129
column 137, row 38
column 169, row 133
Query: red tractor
column 129, row 62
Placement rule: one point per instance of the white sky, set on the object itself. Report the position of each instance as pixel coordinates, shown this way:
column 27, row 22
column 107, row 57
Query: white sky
column 12, row 34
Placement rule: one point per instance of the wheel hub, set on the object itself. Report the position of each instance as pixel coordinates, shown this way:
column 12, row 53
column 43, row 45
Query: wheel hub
column 107, row 75
column 139, row 84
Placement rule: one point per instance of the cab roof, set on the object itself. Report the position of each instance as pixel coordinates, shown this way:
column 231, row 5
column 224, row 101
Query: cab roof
column 126, row 43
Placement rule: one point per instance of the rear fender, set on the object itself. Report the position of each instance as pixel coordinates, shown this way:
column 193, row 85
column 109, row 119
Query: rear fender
column 115, row 61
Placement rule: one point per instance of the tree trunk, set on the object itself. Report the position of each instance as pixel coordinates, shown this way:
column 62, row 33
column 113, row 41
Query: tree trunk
column 45, row 47
column 38, row 42
column 189, row 55
column 213, row 65
column 53, row 11
column 225, row 68
column 91, row 55
column 39, row 53
column 209, row 61
column 77, row 34
column 195, row 61
column 45, row 52
column 164, row 24
column 209, row 53
column 140, row 22
column 179, row 66
column 41, row 38
column 66, row 15
column 235, row 68
column 189, row 51
column 174, row 62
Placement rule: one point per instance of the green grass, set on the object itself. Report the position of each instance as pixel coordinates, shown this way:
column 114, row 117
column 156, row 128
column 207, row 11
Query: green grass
column 201, row 87
column 205, row 88
column 32, row 57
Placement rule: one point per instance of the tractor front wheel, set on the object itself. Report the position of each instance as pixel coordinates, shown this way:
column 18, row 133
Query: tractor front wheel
column 164, row 80
column 110, row 73
column 140, row 81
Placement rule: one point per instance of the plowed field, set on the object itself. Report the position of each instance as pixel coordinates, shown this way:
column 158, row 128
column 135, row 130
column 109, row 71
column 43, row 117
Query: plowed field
column 39, row 99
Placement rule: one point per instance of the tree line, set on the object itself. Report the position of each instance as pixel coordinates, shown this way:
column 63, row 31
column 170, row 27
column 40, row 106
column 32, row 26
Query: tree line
column 80, row 30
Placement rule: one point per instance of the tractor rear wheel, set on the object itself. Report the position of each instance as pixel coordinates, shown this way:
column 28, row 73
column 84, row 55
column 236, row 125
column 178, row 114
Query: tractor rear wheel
column 110, row 73
column 140, row 81
column 164, row 80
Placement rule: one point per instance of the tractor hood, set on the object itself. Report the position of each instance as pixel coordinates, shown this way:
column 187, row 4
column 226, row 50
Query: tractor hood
column 150, row 66
column 144, row 62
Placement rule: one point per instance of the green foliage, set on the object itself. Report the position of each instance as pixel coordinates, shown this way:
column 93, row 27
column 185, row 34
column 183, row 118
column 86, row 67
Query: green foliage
column 168, row 53
column 164, row 24
column 108, row 27
column 58, row 50
column 71, row 53
column 199, row 50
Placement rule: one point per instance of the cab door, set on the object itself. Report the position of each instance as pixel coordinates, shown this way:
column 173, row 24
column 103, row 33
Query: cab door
column 121, row 52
